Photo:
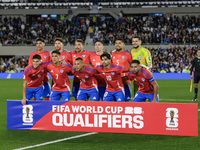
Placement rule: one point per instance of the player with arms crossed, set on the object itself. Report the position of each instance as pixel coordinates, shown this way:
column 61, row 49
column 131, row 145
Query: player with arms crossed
column 112, row 76
column 45, row 57
column 123, row 58
column 85, row 55
column 196, row 68
column 61, row 84
column 88, row 83
column 95, row 60
column 33, row 80
column 148, row 87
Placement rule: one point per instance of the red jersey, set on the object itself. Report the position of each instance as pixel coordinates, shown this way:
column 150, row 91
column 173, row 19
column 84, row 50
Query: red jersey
column 95, row 60
column 45, row 57
column 34, row 76
column 64, row 55
column 144, row 81
column 87, row 80
column 122, row 59
column 60, row 77
column 112, row 77
column 85, row 55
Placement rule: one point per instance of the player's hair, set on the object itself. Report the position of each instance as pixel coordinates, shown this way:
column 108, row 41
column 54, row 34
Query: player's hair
column 105, row 54
column 40, row 39
column 137, row 37
column 119, row 39
column 55, row 52
column 36, row 56
column 58, row 39
column 79, row 58
column 99, row 42
column 135, row 61
column 79, row 40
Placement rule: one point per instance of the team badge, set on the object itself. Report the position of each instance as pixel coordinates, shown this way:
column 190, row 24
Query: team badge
column 45, row 57
column 139, row 57
column 143, row 79
column 39, row 75
column 86, row 76
column 150, row 58
column 112, row 73
column 61, row 71
column 63, row 57
column 123, row 57
column 42, row 70
column 83, row 55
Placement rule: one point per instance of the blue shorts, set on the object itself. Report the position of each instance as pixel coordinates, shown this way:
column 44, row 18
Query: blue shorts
column 102, row 90
column 47, row 89
column 75, row 89
column 111, row 96
column 83, row 94
column 35, row 92
column 56, row 95
column 127, row 89
column 140, row 97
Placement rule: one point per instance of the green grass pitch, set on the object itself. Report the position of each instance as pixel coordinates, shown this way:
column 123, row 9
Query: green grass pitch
column 171, row 91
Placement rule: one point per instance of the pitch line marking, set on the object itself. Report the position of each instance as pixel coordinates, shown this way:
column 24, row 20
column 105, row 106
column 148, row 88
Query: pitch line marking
column 56, row 141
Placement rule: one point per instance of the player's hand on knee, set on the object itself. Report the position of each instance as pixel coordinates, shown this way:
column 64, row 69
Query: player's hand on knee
column 24, row 101
column 154, row 101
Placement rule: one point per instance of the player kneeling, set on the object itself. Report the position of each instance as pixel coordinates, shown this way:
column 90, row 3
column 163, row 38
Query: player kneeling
column 148, row 87
column 88, row 83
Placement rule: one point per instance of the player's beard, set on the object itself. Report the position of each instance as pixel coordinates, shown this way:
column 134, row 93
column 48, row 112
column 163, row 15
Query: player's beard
column 136, row 46
column 136, row 72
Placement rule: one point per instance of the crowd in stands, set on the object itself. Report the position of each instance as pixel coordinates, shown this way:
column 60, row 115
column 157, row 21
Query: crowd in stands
column 13, row 31
column 151, row 29
column 174, row 59
column 13, row 64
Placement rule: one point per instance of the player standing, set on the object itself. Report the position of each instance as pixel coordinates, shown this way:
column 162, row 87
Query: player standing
column 196, row 68
column 95, row 60
column 85, row 55
column 61, row 84
column 148, row 87
column 45, row 57
column 142, row 54
column 33, row 80
column 64, row 54
column 123, row 58
column 88, row 83
column 112, row 76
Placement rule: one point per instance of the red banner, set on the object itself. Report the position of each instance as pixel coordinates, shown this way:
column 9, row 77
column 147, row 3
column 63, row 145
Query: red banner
column 127, row 117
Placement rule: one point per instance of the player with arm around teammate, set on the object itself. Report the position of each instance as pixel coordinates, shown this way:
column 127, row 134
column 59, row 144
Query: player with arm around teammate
column 88, row 83
column 112, row 76
column 33, row 80
column 148, row 87
column 61, row 85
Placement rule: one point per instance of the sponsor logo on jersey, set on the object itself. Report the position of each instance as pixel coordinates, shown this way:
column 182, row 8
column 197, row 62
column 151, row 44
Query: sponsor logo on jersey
column 112, row 73
column 93, row 60
column 63, row 57
column 86, row 76
column 123, row 57
column 77, row 76
column 113, row 57
column 103, row 73
column 51, row 71
column 61, row 71
column 39, row 75
column 45, row 57
column 33, row 75
column 83, row 55
column 74, row 56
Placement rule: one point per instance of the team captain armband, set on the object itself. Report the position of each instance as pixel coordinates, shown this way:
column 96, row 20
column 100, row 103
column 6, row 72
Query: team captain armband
column 152, row 79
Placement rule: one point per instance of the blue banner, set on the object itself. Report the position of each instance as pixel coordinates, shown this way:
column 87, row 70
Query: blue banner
column 156, row 76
